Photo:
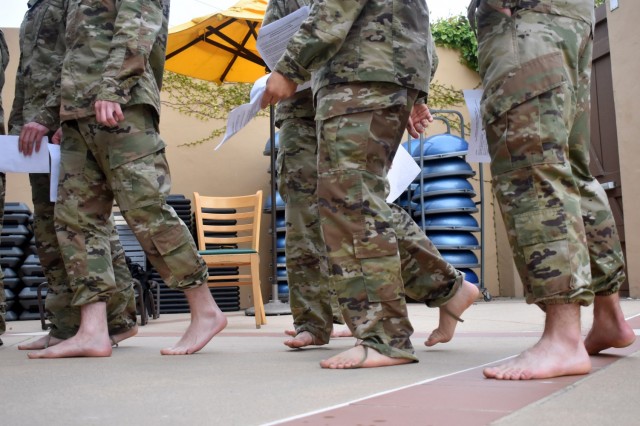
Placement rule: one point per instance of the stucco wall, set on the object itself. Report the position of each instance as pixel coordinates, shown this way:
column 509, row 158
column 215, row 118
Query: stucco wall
column 625, row 64
column 240, row 167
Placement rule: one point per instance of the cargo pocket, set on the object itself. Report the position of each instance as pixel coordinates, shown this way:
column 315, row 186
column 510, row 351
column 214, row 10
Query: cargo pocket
column 178, row 253
column 135, row 137
column 524, row 115
column 542, row 238
column 378, row 255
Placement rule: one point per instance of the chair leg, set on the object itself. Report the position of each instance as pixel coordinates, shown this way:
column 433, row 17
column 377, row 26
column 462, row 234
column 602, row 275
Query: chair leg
column 41, row 305
column 257, row 292
column 140, row 302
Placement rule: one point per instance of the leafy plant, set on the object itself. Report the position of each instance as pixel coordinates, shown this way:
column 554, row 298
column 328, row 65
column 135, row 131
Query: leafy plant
column 456, row 33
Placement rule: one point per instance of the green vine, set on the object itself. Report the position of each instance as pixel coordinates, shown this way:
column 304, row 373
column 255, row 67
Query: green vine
column 456, row 33
column 204, row 100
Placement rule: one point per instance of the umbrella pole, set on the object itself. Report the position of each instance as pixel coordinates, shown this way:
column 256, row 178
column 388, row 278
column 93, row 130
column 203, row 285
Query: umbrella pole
column 275, row 306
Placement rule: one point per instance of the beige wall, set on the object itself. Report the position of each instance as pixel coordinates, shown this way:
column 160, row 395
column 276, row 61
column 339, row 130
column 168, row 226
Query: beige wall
column 240, row 167
column 625, row 65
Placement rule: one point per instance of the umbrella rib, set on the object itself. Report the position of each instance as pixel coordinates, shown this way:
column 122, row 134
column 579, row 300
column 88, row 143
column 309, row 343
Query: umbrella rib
column 183, row 48
column 235, row 56
column 242, row 50
column 215, row 37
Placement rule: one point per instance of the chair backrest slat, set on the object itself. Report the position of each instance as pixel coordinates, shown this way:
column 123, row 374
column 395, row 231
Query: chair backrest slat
column 228, row 221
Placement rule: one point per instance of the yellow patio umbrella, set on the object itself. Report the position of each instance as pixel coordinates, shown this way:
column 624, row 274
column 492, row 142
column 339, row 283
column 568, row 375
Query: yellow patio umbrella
column 220, row 47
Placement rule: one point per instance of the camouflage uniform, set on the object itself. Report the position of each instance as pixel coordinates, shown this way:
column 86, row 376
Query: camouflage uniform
column 536, row 69
column 312, row 299
column 114, row 54
column 371, row 62
column 37, row 99
column 4, row 60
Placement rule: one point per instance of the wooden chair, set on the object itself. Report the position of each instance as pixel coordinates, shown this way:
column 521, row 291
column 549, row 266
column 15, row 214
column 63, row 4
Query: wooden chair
column 228, row 231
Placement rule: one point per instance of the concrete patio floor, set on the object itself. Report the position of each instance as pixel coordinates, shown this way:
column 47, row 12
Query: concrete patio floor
column 248, row 377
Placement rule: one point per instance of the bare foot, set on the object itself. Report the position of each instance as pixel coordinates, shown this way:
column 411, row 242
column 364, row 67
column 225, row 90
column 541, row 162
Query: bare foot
column 91, row 345
column 543, row 361
column 42, row 343
column 559, row 352
column 117, row 338
column 300, row 340
column 361, row 357
column 341, row 332
column 92, row 338
column 207, row 320
column 610, row 329
column 451, row 312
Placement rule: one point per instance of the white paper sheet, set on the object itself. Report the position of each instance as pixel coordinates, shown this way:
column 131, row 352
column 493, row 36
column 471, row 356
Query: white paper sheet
column 240, row 116
column 54, row 152
column 478, row 148
column 271, row 43
column 274, row 37
column 12, row 161
column 404, row 170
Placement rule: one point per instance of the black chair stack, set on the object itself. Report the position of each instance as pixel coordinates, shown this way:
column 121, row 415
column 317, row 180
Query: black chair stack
column 32, row 277
column 15, row 247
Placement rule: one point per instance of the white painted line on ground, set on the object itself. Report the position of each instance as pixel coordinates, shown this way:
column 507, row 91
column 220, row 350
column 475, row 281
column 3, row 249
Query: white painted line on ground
column 36, row 333
column 344, row 404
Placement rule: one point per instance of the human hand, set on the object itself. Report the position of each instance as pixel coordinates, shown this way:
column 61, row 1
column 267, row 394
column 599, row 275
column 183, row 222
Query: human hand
column 278, row 88
column 31, row 138
column 108, row 113
column 419, row 120
column 57, row 137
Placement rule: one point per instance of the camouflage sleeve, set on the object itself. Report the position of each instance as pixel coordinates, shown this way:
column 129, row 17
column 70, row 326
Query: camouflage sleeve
column 16, row 117
column 136, row 28
column 273, row 12
column 158, row 51
column 434, row 59
column 49, row 113
column 506, row 4
column 320, row 36
column 49, row 116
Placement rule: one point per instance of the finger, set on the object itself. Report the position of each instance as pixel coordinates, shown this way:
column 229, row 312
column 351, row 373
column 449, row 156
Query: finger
column 119, row 115
column 99, row 115
column 26, row 144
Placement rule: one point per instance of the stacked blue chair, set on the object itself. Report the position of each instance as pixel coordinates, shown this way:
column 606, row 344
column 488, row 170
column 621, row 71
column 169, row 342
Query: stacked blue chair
column 441, row 199
column 280, row 232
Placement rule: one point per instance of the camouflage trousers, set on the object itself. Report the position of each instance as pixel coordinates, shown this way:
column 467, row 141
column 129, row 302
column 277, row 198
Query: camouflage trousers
column 536, row 109
column 360, row 127
column 312, row 299
column 126, row 163
column 3, row 305
column 65, row 318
